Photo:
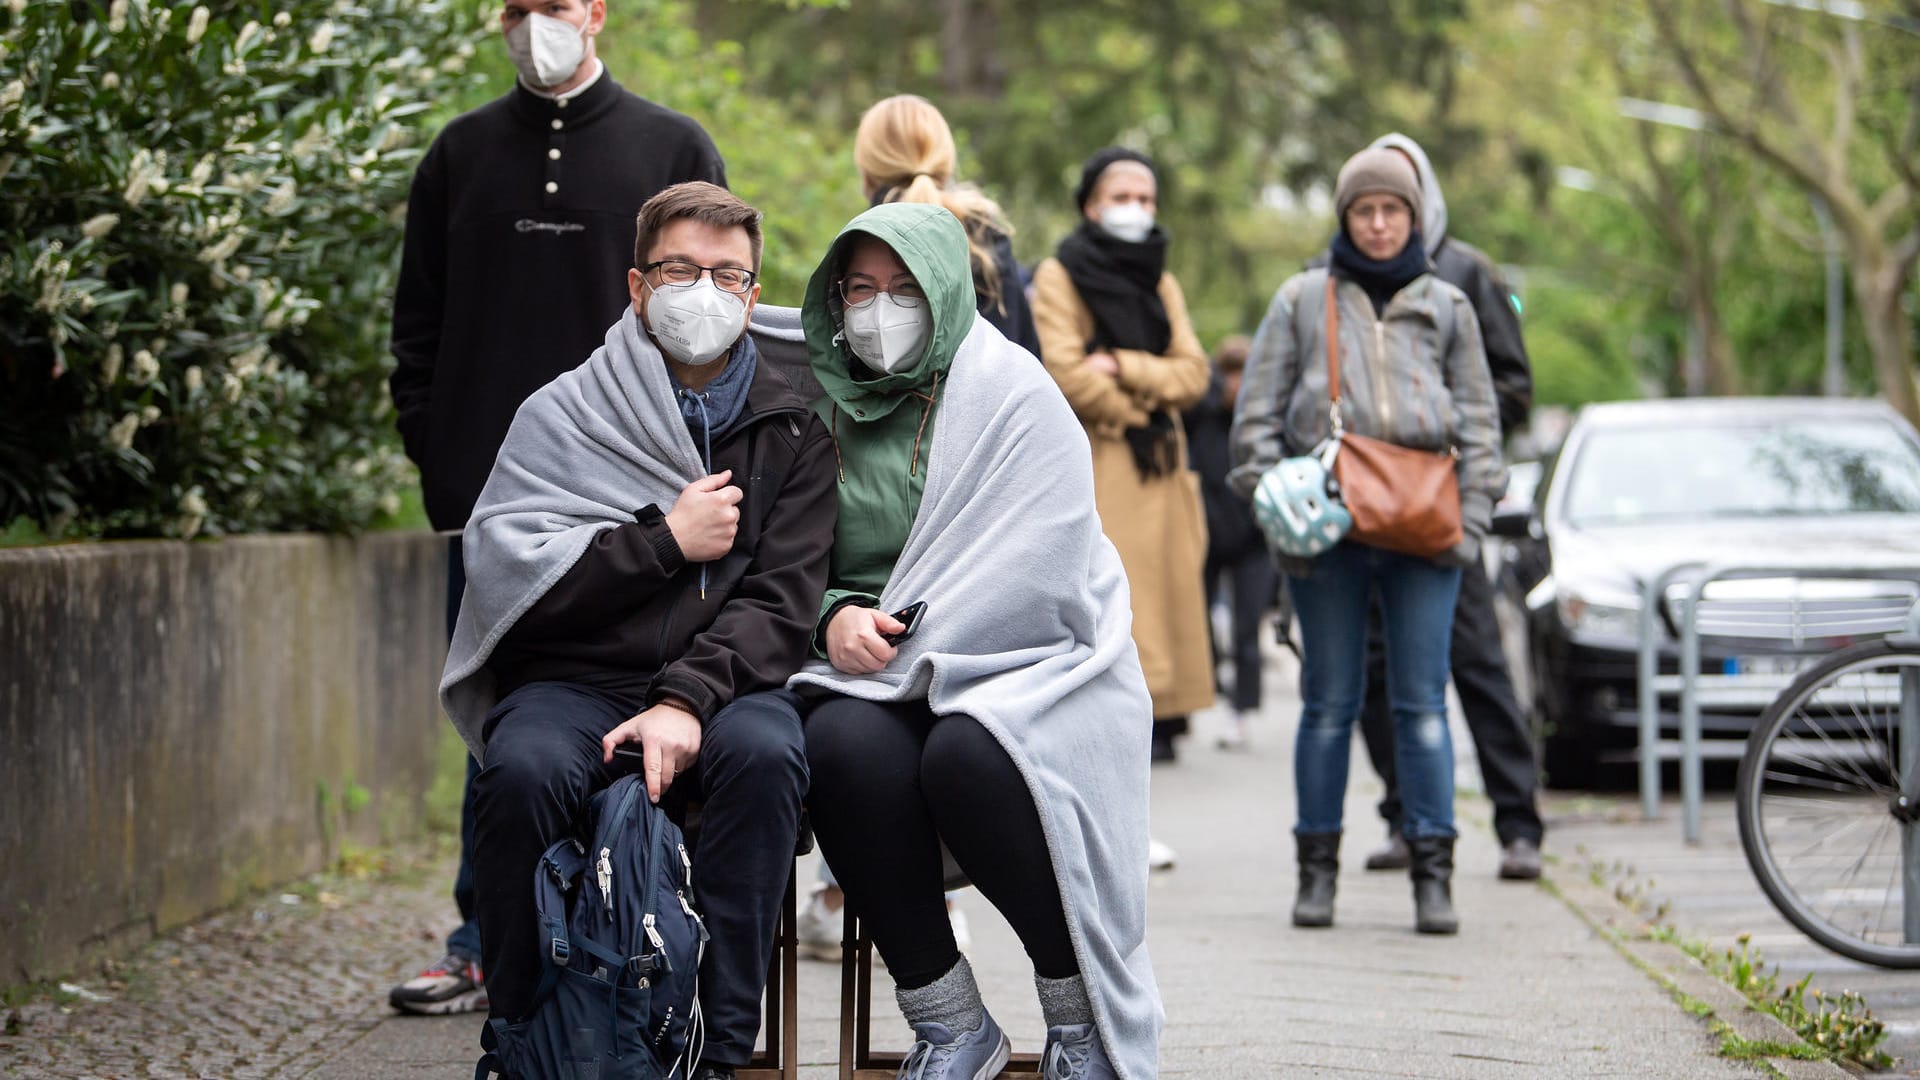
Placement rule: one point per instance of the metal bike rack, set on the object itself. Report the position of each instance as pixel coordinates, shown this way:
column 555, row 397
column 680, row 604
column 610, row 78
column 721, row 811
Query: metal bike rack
column 1698, row 576
column 1910, row 789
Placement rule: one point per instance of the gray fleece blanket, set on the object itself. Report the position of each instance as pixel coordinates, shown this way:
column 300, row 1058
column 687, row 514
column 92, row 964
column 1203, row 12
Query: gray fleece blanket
column 583, row 453
column 1028, row 630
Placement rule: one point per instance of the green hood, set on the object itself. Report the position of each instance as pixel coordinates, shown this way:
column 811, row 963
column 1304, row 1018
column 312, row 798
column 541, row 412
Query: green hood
column 934, row 247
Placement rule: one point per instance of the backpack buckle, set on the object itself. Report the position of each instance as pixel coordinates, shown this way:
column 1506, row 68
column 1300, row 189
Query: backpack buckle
column 560, row 949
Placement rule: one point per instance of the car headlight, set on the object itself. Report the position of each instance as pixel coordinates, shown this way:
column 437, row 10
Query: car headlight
column 1599, row 615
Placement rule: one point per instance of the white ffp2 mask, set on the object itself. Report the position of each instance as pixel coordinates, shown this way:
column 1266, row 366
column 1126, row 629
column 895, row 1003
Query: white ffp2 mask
column 696, row 324
column 1127, row 221
column 886, row 335
column 546, row 50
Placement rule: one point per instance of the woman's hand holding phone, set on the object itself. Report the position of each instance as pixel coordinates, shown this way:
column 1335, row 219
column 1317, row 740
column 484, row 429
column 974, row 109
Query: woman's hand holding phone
column 854, row 642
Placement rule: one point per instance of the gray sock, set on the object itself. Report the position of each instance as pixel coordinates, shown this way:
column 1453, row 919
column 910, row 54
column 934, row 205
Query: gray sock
column 1064, row 1001
column 952, row 999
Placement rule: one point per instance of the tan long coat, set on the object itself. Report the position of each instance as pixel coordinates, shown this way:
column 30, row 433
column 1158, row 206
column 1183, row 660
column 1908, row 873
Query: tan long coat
column 1158, row 525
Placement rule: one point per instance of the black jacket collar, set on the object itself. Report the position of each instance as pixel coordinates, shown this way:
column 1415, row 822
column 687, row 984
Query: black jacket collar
column 589, row 105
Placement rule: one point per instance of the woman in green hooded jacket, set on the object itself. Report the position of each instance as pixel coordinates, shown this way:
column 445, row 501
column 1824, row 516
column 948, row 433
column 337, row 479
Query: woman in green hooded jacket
column 972, row 723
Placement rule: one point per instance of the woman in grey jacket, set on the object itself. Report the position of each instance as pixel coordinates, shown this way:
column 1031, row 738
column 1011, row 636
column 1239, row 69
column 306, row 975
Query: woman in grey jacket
column 1413, row 372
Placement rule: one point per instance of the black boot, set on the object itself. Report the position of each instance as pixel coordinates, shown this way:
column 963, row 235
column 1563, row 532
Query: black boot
column 1432, row 871
column 1319, row 857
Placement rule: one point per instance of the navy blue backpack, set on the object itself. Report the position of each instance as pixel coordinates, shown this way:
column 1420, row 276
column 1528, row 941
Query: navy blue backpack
column 619, row 986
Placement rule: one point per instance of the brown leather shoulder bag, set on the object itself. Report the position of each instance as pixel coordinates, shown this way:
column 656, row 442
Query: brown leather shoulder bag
column 1401, row 499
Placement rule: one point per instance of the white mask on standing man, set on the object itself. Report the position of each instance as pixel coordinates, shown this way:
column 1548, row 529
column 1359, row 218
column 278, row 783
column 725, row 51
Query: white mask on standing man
column 546, row 50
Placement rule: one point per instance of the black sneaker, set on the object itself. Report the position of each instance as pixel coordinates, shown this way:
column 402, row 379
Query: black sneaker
column 713, row 1072
column 453, row 985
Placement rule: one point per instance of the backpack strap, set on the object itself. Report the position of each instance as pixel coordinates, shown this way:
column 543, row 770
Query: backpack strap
column 559, row 869
column 491, row 1063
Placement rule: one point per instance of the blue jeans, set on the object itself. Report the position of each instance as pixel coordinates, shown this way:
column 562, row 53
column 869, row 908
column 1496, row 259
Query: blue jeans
column 464, row 942
column 1416, row 599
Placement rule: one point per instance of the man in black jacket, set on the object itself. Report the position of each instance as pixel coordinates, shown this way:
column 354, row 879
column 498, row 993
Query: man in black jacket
column 1480, row 674
column 519, row 230
column 675, row 630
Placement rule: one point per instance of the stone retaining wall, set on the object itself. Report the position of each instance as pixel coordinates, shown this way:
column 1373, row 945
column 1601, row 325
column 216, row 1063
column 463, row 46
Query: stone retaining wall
column 183, row 723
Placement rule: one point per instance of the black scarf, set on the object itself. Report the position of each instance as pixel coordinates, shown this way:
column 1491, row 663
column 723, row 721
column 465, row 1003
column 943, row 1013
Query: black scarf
column 1120, row 283
column 1380, row 278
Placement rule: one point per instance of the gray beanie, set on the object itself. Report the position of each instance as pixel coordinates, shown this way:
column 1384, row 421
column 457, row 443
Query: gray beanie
column 1376, row 170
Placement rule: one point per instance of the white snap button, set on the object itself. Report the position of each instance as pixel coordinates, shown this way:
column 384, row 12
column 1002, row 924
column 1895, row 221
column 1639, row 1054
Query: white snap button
column 554, row 154
column 552, row 187
column 556, row 124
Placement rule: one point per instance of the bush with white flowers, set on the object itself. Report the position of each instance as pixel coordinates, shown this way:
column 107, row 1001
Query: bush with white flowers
column 200, row 219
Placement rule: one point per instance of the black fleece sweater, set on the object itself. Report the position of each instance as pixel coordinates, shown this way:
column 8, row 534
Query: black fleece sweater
column 520, row 229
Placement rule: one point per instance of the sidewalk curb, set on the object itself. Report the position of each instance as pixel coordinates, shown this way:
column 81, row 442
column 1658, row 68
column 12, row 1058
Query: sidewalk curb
column 1685, row 979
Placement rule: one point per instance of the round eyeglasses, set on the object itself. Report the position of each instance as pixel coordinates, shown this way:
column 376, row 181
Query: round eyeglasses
column 678, row 274
column 859, row 289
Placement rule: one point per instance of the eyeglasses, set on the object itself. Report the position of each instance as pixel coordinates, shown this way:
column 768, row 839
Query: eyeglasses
column 677, row 274
column 904, row 289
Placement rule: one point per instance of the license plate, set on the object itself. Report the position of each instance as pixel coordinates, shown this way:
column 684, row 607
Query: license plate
column 1786, row 665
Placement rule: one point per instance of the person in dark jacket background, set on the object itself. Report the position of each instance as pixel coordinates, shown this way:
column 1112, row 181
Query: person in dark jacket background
column 1479, row 666
column 675, row 628
column 1235, row 550
column 519, row 233
column 905, row 153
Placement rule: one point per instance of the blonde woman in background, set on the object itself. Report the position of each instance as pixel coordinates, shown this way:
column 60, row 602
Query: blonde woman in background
column 905, row 153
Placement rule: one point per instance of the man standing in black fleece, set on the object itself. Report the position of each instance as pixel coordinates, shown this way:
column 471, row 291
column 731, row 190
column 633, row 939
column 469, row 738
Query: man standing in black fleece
column 1480, row 673
column 519, row 235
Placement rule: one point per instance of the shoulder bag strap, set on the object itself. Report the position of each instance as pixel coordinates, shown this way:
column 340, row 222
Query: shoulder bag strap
column 1333, row 358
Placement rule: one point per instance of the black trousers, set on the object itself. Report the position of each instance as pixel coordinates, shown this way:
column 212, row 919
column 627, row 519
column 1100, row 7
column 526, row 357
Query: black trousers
column 1254, row 580
column 1485, row 686
column 891, row 781
column 543, row 763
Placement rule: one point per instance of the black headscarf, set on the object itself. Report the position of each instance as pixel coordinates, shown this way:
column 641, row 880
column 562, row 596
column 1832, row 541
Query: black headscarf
column 1381, row 278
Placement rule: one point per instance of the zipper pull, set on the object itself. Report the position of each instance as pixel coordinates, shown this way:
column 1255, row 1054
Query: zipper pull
column 653, row 932
column 603, row 870
column 686, row 862
column 686, row 906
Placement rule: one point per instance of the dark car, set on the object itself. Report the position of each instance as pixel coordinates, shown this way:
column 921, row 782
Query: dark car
column 1638, row 487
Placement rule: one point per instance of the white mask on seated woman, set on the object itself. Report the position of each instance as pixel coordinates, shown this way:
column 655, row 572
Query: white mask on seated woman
column 886, row 335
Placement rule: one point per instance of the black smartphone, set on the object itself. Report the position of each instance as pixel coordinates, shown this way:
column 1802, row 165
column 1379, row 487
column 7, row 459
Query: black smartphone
column 910, row 616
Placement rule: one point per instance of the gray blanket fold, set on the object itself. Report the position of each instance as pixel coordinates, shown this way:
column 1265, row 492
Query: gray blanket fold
column 584, row 452
column 1028, row 630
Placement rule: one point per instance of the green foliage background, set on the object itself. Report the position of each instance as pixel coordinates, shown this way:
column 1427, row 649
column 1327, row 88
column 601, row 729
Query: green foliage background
column 200, row 208
column 199, row 228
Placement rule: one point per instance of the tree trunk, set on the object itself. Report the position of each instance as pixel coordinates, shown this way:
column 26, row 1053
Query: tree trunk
column 1879, row 287
column 969, row 54
column 1716, row 349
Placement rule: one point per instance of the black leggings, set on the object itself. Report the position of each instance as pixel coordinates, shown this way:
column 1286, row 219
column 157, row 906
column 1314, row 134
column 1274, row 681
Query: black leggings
column 890, row 782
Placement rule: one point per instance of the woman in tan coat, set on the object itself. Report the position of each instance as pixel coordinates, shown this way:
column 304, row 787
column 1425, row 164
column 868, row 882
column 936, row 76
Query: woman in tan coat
column 1114, row 334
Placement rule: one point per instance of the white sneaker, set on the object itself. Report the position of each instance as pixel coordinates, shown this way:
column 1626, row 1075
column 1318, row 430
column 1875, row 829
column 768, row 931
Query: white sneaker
column 818, row 928
column 1234, row 736
column 962, row 940
column 1159, row 855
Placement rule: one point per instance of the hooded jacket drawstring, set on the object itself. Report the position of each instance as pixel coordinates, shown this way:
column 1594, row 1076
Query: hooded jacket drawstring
column 913, row 466
column 706, row 458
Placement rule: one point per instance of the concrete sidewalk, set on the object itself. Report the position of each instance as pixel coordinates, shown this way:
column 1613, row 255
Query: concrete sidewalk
column 294, row 986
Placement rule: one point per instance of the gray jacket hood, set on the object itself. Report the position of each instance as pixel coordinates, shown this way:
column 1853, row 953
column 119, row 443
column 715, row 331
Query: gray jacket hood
column 1433, row 223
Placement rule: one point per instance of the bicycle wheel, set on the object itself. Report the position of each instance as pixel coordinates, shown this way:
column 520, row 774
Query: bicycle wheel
column 1825, row 824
